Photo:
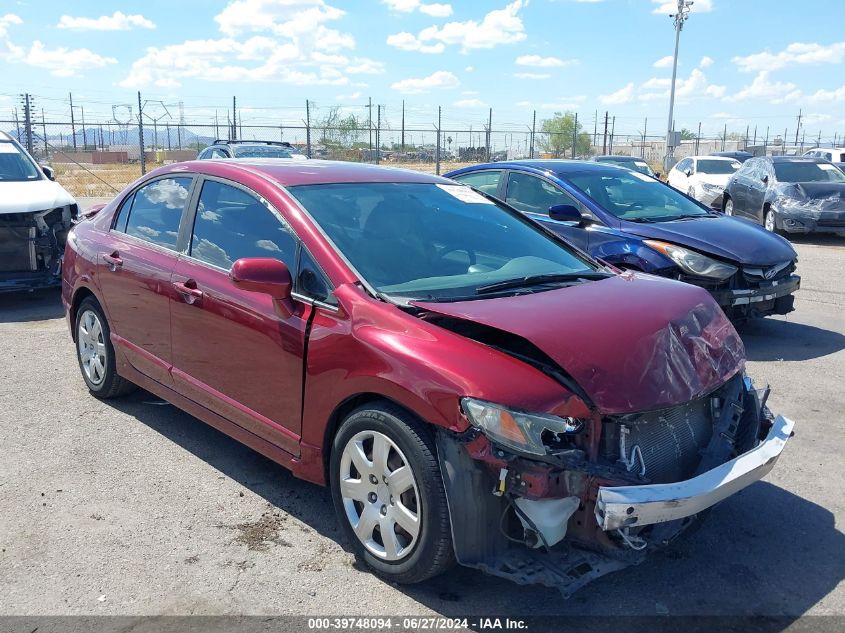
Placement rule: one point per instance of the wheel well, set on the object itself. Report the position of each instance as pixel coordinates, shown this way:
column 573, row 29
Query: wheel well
column 78, row 298
column 344, row 409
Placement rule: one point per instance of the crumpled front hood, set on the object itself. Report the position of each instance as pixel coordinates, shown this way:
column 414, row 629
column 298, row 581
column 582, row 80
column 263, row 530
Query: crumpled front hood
column 730, row 238
column 633, row 342
column 32, row 195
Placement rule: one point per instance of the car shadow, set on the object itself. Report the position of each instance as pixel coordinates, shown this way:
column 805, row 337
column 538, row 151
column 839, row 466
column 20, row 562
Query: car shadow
column 777, row 339
column 34, row 305
column 817, row 239
column 763, row 552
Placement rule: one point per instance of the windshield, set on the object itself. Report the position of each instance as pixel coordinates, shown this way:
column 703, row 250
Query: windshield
column 710, row 166
column 434, row 242
column 637, row 165
column 634, row 196
column 267, row 151
column 16, row 166
column 807, row 172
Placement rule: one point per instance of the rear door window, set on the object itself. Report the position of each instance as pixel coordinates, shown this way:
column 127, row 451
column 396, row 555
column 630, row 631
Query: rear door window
column 486, row 181
column 531, row 194
column 156, row 211
column 230, row 224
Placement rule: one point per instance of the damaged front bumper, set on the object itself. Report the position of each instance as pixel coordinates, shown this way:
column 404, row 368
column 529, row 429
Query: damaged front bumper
column 626, row 506
column 570, row 517
column 764, row 293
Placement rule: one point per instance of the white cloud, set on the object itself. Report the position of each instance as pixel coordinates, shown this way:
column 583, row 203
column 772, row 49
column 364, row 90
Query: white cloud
column 439, row 79
column 664, row 62
column 763, row 88
column 543, row 62
column 434, row 9
column 561, row 105
column 116, row 22
column 299, row 49
column 500, row 26
column 532, row 75
column 61, row 62
column 470, row 103
column 668, row 7
column 7, row 49
column 705, row 62
column 694, row 86
column 793, row 55
column 623, row 95
column 352, row 97
column 827, row 96
column 469, row 69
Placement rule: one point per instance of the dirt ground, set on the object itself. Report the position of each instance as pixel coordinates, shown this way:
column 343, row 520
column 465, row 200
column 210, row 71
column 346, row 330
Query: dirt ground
column 133, row 507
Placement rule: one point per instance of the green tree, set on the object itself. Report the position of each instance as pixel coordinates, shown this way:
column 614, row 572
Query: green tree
column 558, row 133
column 687, row 135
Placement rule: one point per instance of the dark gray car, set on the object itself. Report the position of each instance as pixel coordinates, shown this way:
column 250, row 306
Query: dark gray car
column 788, row 193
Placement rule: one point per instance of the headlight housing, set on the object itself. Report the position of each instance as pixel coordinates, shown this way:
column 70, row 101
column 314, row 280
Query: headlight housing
column 519, row 430
column 708, row 188
column 693, row 263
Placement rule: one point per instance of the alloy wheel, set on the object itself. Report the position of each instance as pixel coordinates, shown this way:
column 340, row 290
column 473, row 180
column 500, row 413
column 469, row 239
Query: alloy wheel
column 92, row 347
column 770, row 220
column 380, row 495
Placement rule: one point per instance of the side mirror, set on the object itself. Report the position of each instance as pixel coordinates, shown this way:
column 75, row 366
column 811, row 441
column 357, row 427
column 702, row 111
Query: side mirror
column 267, row 275
column 765, row 179
column 49, row 172
column 688, row 172
column 658, row 176
column 565, row 213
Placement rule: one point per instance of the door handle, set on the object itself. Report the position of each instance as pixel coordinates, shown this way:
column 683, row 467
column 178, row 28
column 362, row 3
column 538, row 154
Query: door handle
column 113, row 260
column 191, row 294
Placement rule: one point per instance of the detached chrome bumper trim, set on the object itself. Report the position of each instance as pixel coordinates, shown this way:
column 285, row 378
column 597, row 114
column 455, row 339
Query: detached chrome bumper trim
column 631, row 506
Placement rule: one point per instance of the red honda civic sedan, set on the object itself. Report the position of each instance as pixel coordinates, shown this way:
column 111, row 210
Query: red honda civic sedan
column 470, row 386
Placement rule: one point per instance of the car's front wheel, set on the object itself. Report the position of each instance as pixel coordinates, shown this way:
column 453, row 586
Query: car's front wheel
column 95, row 353
column 769, row 220
column 389, row 495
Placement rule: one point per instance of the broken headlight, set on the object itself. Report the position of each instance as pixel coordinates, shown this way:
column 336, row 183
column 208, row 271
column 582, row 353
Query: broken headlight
column 519, row 430
column 692, row 262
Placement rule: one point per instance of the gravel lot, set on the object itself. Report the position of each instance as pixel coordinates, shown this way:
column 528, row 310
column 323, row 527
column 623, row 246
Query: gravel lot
column 133, row 507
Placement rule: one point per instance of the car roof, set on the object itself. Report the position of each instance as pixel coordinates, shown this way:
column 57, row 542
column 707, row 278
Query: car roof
column 554, row 165
column 310, row 172
column 618, row 157
column 795, row 159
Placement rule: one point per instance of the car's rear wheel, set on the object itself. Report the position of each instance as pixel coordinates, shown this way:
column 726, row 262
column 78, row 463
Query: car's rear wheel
column 389, row 495
column 95, row 353
column 729, row 206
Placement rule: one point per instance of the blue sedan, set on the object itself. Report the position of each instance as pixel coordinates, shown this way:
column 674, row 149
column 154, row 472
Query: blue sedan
column 635, row 222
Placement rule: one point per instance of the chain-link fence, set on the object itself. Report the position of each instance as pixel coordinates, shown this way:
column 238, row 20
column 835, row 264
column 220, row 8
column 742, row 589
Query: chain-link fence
column 101, row 157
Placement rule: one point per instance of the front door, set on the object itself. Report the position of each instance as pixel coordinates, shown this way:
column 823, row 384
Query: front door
column 133, row 269
column 534, row 196
column 234, row 351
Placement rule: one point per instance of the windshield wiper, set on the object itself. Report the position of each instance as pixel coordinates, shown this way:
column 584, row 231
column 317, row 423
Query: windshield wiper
column 639, row 220
column 539, row 280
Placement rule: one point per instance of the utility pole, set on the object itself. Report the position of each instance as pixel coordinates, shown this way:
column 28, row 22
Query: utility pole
column 489, row 134
column 84, row 134
column 595, row 128
column 698, row 138
column 533, row 133
column 370, row 119
column 308, row 128
column 437, row 147
column 378, row 132
column 724, row 136
column 574, row 135
column 645, row 135
column 678, row 19
column 44, row 131
column 797, row 128
column 27, row 121
column 403, row 125
column 233, row 134
column 72, row 122
column 604, row 141
column 766, row 142
column 141, row 135
column 612, row 131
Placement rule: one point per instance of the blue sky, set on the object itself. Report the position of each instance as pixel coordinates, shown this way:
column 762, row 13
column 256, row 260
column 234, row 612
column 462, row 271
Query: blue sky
column 742, row 62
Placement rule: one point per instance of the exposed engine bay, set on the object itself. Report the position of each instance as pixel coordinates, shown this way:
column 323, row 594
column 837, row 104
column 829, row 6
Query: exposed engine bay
column 32, row 246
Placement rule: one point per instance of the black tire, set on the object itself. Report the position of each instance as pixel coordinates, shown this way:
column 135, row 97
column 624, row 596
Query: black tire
column 111, row 385
column 432, row 553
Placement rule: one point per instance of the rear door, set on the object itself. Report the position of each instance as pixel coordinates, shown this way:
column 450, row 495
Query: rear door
column 534, row 196
column 760, row 180
column 234, row 352
column 134, row 266
column 739, row 183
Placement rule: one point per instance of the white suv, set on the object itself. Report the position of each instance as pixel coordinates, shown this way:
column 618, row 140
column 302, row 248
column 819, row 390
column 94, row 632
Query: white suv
column 35, row 217
column 703, row 177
